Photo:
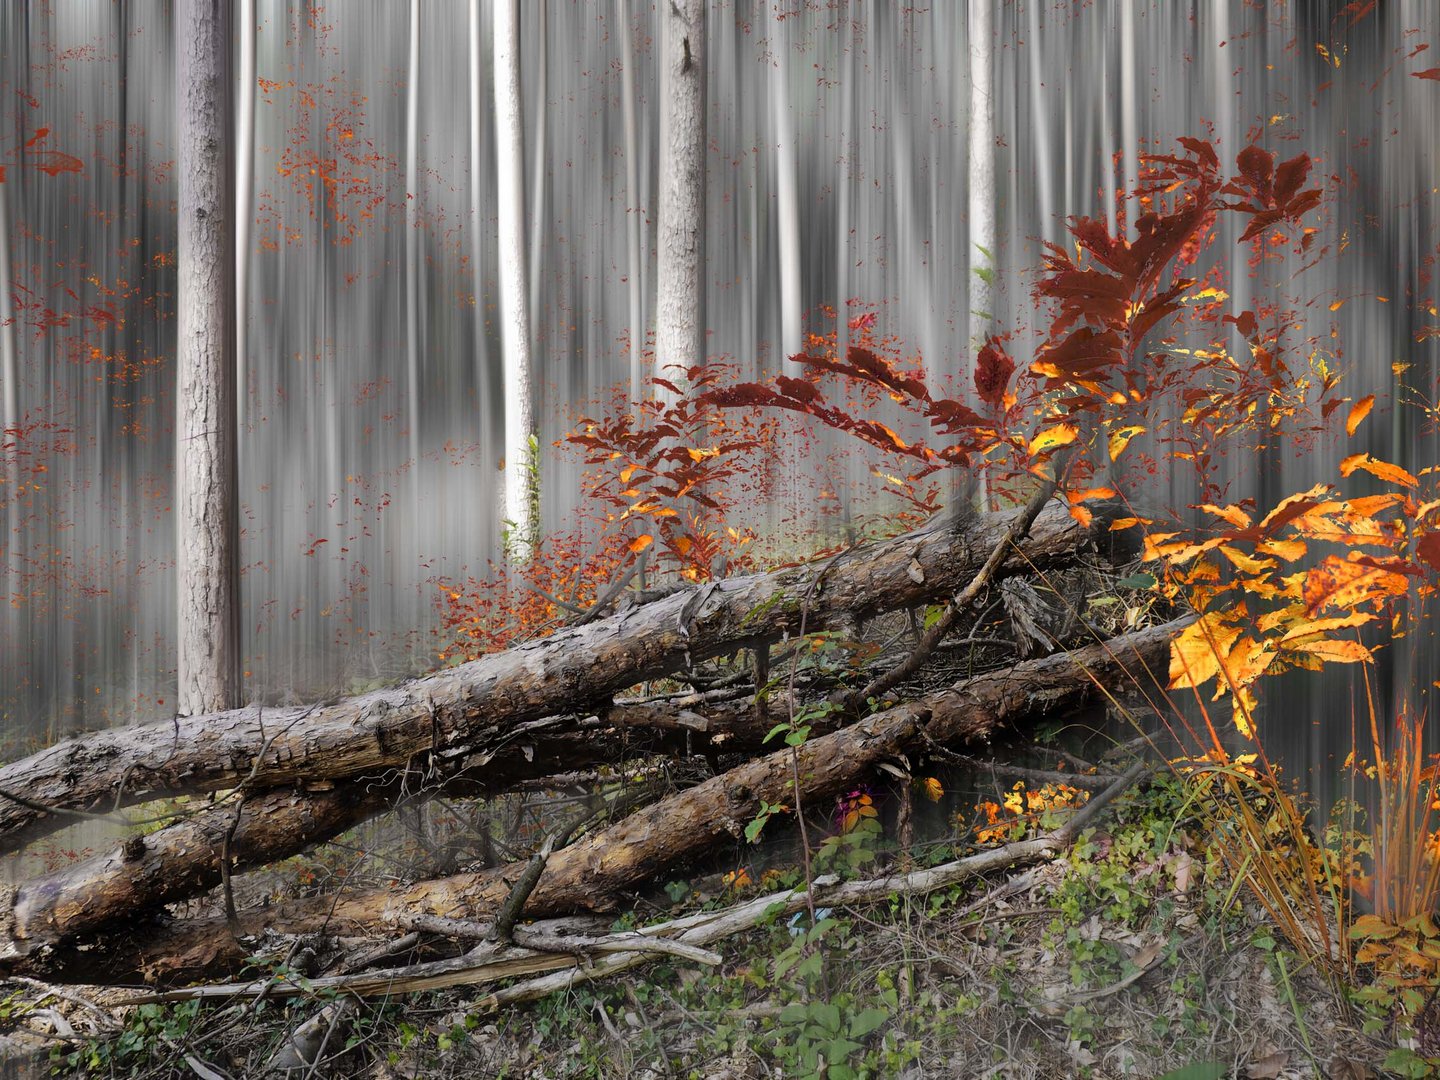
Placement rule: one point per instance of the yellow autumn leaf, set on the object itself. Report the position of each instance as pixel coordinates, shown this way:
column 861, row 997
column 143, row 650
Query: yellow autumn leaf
column 1333, row 650
column 1248, row 564
column 627, row 472
column 1243, row 712
column 1285, row 550
column 1050, row 438
column 1324, row 626
column 1196, row 651
column 1233, row 514
column 1358, row 412
column 1120, row 439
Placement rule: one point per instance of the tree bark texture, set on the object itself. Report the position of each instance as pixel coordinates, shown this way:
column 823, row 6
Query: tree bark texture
column 680, row 292
column 596, row 873
column 206, row 524
column 500, row 700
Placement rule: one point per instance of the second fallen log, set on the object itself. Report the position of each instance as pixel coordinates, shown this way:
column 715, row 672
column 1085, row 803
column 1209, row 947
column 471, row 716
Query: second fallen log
column 595, row 873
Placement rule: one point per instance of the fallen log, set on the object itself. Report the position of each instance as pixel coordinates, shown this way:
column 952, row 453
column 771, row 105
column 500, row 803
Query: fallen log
column 595, row 873
column 187, row 858
column 484, row 705
column 577, row 956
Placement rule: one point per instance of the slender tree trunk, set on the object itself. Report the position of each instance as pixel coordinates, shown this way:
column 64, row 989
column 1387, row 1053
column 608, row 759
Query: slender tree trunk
column 244, row 212
column 9, row 368
column 521, row 489
column 537, row 168
column 1040, row 118
column 982, row 171
column 680, row 292
column 1129, row 105
column 845, row 134
column 412, row 244
column 787, row 202
column 205, row 425
column 634, row 207
column 477, row 221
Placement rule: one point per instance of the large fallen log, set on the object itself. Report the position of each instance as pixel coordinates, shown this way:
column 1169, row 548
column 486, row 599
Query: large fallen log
column 595, row 873
column 484, row 705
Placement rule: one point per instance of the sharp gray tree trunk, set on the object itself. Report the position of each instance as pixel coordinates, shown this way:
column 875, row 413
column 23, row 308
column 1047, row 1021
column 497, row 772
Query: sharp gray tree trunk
column 520, row 464
column 680, row 291
column 205, row 426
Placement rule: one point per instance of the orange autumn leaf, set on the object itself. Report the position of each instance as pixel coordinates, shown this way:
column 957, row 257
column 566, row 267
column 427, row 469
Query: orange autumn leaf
column 640, row 543
column 1347, row 583
column 1358, row 412
column 1382, row 469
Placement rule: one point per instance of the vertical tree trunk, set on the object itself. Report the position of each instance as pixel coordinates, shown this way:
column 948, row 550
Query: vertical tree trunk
column 843, row 258
column 680, row 292
column 982, row 172
column 787, row 204
column 1129, row 105
column 412, row 245
column 1040, row 118
column 9, row 368
column 205, row 357
column 634, row 209
column 244, row 212
column 537, row 168
column 477, row 222
column 521, row 494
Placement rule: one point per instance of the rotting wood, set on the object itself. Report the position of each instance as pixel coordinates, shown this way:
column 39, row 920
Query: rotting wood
column 597, row 872
column 484, row 706
column 492, row 962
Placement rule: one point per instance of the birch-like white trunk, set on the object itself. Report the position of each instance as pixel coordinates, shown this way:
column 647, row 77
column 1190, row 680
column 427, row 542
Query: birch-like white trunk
column 680, row 290
column 634, row 210
column 244, row 211
column 519, row 479
column 205, row 360
column 787, row 201
column 981, row 201
column 412, row 241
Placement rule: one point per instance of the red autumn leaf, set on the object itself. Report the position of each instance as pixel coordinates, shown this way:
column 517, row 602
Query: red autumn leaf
column 53, row 162
column 1429, row 73
column 1428, row 548
column 993, row 368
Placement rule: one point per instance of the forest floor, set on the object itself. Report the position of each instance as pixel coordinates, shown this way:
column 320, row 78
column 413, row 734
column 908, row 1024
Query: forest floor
column 1131, row 954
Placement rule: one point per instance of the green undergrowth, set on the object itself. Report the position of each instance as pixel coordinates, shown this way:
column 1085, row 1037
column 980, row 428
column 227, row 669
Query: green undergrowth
column 1132, row 954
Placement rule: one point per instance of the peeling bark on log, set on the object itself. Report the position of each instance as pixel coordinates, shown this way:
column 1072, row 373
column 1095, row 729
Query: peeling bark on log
column 183, row 860
column 482, row 706
column 595, row 873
